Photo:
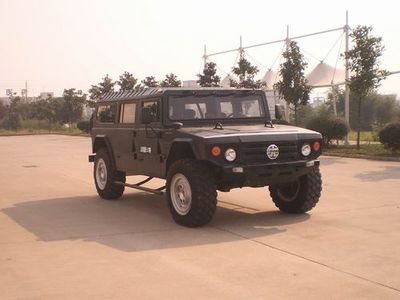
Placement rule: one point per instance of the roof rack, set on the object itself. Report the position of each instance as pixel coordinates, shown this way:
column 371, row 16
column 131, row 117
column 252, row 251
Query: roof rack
column 156, row 92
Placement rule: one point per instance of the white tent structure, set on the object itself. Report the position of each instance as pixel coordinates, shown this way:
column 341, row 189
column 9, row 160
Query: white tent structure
column 225, row 82
column 270, row 78
column 324, row 75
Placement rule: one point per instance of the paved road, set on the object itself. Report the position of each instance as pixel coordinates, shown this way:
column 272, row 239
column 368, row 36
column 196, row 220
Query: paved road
column 58, row 240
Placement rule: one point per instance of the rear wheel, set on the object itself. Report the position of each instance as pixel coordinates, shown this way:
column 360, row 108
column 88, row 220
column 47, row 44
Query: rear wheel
column 105, row 176
column 191, row 193
column 299, row 196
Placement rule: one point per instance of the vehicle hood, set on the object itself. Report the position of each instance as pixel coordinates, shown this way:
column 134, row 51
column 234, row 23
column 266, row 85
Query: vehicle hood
column 251, row 133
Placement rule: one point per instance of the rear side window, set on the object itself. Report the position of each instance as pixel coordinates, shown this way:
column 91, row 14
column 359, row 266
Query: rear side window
column 128, row 113
column 154, row 108
column 107, row 113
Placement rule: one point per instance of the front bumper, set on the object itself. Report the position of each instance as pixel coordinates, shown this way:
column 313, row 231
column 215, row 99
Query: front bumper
column 265, row 174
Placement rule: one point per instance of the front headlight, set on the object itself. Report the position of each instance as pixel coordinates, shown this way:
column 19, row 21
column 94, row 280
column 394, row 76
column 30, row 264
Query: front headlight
column 230, row 154
column 306, row 149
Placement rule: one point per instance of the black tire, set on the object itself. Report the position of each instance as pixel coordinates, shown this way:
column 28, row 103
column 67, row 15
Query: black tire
column 203, row 192
column 109, row 190
column 300, row 196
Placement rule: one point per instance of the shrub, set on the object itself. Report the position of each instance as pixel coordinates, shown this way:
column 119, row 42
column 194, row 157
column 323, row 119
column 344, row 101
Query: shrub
column 389, row 136
column 83, row 126
column 331, row 128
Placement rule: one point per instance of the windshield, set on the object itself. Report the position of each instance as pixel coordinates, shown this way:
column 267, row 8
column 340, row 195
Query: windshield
column 215, row 107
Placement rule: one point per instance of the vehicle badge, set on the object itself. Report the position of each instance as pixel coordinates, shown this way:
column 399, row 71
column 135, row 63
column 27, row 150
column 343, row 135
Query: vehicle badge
column 272, row 151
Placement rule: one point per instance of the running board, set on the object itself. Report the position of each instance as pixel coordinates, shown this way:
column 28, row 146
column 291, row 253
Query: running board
column 138, row 186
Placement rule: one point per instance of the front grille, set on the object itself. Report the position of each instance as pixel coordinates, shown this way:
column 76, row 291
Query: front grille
column 256, row 152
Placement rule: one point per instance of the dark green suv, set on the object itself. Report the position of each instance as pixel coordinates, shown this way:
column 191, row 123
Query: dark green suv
column 202, row 140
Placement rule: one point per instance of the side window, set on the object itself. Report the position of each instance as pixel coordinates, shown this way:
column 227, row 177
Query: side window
column 128, row 113
column 154, row 108
column 107, row 113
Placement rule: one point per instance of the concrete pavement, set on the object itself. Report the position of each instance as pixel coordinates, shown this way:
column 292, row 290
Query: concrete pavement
column 58, row 240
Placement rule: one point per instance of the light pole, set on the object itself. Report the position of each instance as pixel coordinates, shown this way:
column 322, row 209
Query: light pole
column 347, row 88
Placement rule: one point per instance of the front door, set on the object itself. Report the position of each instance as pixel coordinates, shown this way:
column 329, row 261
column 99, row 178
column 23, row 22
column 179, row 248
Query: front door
column 125, row 150
column 147, row 142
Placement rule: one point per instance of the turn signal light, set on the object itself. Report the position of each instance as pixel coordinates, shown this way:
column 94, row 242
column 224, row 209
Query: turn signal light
column 316, row 146
column 216, row 151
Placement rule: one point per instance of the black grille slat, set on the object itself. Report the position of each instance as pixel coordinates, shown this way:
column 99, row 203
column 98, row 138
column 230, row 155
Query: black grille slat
column 256, row 152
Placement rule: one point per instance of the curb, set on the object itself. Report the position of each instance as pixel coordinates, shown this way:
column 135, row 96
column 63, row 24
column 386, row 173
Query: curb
column 50, row 133
column 362, row 156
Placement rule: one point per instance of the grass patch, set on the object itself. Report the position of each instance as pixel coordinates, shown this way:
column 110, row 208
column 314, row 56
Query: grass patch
column 366, row 136
column 366, row 151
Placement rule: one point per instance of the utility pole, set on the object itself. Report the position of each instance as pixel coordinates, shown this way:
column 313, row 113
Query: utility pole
column 347, row 89
column 287, row 42
column 26, row 90
column 205, row 56
column 334, row 90
column 287, row 37
column 241, row 51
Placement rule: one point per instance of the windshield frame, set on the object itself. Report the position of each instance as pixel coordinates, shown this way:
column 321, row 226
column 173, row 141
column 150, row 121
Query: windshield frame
column 224, row 93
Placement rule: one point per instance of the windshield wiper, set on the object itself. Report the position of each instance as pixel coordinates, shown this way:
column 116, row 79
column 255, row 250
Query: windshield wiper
column 268, row 123
column 218, row 125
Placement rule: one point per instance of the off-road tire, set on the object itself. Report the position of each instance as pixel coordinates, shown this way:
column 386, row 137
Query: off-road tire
column 111, row 191
column 203, row 190
column 307, row 197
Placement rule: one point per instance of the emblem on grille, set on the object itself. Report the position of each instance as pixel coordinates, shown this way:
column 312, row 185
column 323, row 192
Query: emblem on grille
column 272, row 151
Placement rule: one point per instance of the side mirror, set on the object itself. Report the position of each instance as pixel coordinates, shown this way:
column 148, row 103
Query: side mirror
column 147, row 116
column 279, row 111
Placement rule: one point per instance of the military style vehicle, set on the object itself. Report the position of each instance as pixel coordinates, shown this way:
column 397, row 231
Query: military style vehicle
column 202, row 141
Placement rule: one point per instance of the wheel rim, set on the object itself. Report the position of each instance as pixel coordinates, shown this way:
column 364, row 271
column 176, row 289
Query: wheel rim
column 181, row 194
column 101, row 174
column 288, row 192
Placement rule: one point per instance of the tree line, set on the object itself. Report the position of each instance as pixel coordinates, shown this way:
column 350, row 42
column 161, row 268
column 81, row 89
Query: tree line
column 67, row 109
column 128, row 82
column 293, row 87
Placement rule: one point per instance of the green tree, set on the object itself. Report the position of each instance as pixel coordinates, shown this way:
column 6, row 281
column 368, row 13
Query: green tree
column 127, row 82
column 12, row 120
column 376, row 109
column 331, row 127
column 386, row 109
column 171, row 80
column 209, row 78
column 105, row 86
column 304, row 114
column 3, row 110
column 74, row 102
column 150, row 81
column 364, row 66
column 246, row 72
column 293, row 86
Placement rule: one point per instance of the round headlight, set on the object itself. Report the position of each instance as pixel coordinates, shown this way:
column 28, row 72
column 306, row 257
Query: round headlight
column 306, row 149
column 230, row 154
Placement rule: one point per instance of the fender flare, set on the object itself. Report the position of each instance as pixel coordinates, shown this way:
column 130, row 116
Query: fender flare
column 101, row 141
column 179, row 142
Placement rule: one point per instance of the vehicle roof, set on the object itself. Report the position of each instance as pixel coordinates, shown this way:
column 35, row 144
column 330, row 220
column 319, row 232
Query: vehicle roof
column 158, row 92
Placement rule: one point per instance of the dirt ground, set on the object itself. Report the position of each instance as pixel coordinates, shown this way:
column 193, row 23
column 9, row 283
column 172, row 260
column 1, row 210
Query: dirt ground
column 58, row 240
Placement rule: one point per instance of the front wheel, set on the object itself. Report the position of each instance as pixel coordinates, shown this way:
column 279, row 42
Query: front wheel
column 191, row 193
column 299, row 196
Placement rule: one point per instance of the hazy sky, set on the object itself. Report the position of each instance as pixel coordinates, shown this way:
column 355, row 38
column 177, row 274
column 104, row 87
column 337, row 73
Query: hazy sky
column 57, row 44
